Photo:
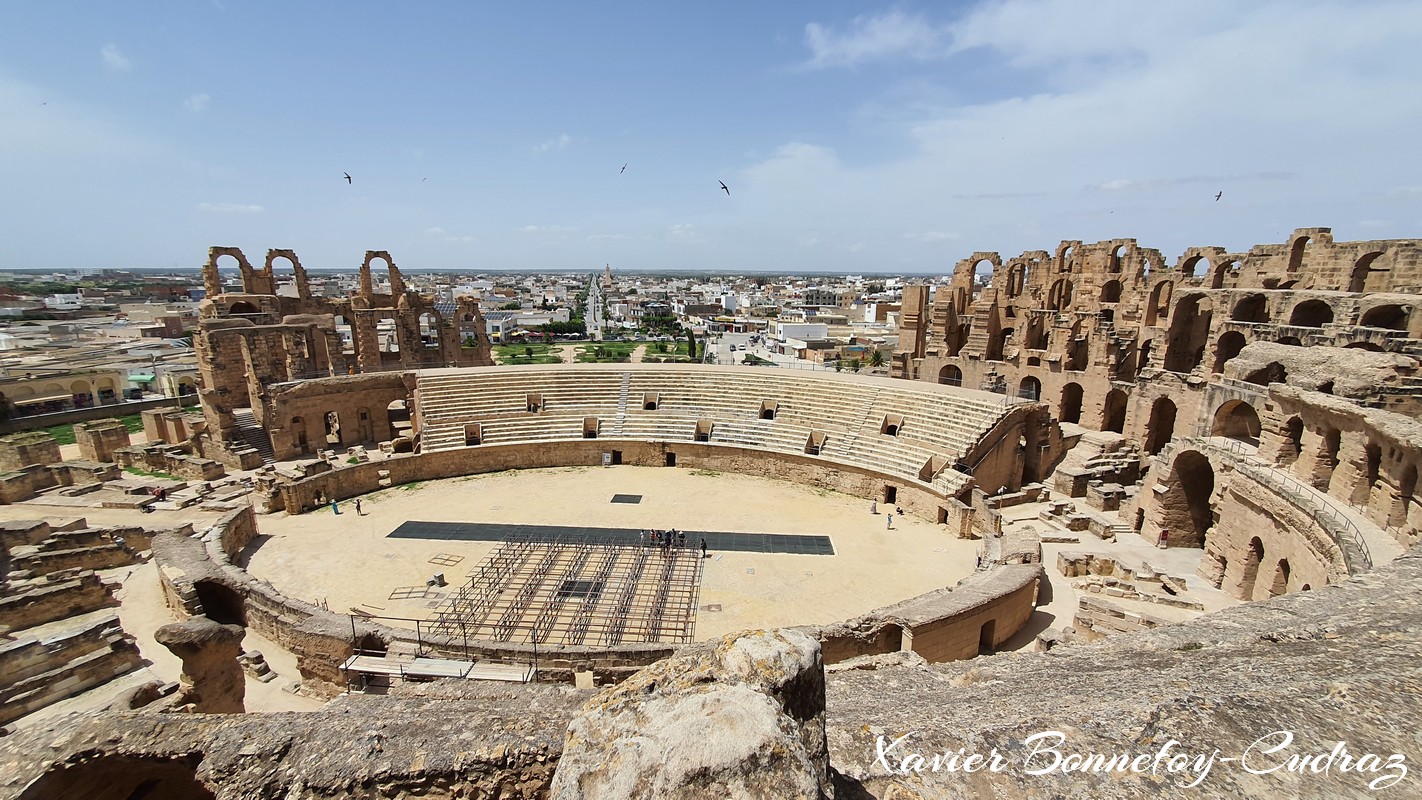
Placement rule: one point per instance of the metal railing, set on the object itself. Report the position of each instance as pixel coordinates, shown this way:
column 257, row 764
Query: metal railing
column 1319, row 505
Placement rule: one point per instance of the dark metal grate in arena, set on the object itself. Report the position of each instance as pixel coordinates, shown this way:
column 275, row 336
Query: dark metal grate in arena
column 631, row 499
column 798, row 544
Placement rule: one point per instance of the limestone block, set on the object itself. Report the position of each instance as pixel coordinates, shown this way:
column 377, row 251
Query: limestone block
column 739, row 717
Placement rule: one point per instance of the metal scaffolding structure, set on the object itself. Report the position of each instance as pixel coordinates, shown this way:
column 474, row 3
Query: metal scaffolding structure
column 576, row 592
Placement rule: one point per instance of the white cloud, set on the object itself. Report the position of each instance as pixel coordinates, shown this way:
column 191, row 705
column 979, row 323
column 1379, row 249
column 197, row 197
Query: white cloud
column 435, row 231
column 559, row 142
column 229, row 208
column 892, row 34
column 609, row 237
column 113, row 59
column 197, row 102
column 683, row 233
column 546, row 229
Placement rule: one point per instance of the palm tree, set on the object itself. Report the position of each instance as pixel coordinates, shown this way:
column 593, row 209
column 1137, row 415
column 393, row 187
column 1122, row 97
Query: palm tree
column 857, row 364
column 876, row 359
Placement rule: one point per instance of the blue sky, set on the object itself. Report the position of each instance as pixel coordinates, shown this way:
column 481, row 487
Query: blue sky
column 853, row 136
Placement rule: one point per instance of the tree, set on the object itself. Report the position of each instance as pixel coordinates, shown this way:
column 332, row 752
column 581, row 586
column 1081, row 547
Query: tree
column 857, row 364
column 691, row 344
column 528, row 352
column 470, row 341
column 838, row 365
column 876, row 359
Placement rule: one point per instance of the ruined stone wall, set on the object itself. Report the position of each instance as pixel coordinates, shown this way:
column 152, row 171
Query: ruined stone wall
column 298, row 412
column 1104, row 332
column 98, row 440
column 21, row 450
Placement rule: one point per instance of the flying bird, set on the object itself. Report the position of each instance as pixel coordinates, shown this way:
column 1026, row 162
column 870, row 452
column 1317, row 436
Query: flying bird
column 348, row 177
column 1218, row 195
column 727, row 188
column 624, row 169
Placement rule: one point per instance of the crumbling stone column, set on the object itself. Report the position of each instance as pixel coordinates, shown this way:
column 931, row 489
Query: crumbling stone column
column 212, row 678
column 1349, row 480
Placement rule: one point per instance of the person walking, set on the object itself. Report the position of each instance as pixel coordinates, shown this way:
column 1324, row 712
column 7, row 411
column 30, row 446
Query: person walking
column 874, row 506
column 703, row 547
column 335, row 509
column 891, row 520
column 359, row 513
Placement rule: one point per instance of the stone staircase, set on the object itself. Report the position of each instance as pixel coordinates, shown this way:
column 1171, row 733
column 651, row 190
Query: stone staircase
column 253, row 435
column 621, row 405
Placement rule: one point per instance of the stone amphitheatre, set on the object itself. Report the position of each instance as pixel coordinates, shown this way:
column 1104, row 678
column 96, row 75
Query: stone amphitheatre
column 1147, row 505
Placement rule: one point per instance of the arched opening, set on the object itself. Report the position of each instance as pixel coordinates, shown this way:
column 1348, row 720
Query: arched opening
column 242, row 307
column 1113, row 265
column 1059, row 296
column 1292, row 341
column 998, row 345
column 1111, row 292
column 1358, row 281
column 950, row 376
column 1393, row 317
column 986, row 642
column 122, row 777
column 1296, row 254
column 1030, row 388
column 1159, row 306
column 298, row 433
column 1253, row 308
column 1078, row 349
column 221, row 604
column 1189, row 331
column 332, row 421
column 1273, row 372
column 1280, row 584
column 1292, row 445
column 1238, row 420
column 1017, row 280
column 1253, row 557
column 1222, row 271
column 1189, row 515
column 1311, row 314
column 1161, row 427
column 1071, row 403
column 1143, row 356
column 1036, row 333
column 1229, row 345
column 1113, row 415
column 1372, row 469
column 1327, row 458
column 1064, row 260
column 1371, row 347
column 1195, row 267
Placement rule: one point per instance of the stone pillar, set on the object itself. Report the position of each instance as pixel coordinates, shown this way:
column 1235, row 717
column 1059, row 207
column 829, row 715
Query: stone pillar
column 1349, row 479
column 212, row 678
column 98, row 439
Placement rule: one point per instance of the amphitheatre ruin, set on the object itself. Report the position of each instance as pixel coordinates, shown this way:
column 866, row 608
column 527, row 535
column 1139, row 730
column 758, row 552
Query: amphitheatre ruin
column 1135, row 500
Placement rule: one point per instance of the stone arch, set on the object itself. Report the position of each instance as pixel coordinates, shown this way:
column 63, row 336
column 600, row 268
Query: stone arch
column 1390, row 316
column 1296, row 253
column 1372, row 470
column 1189, row 330
column 1036, row 338
column 1292, row 341
column 1113, row 412
column 998, row 345
column 1143, row 356
column 1160, row 429
column 1311, row 314
column 1228, row 346
column 1111, row 292
column 992, row 265
column 1196, row 266
column 1251, row 308
column 950, row 375
column 1280, row 584
column 1371, row 347
column 1159, row 306
column 1253, row 557
column 1113, row 264
column 242, row 307
column 1059, row 296
column 1071, row 403
column 1236, row 419
column 1064, row 258
column 1222, row 270
column 1362, row 269
column 106, row 776
column 1030, row 388
column 221, row 603
column 1017, row 277
column 1187, row 499
column 1292, row 445
column 1273, row 372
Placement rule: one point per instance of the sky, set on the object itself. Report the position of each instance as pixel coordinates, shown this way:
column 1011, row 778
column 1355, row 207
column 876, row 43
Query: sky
column 853, row 137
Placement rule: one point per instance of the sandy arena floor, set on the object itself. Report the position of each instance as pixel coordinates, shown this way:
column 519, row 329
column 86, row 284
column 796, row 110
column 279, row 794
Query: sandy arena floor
column 347, row 561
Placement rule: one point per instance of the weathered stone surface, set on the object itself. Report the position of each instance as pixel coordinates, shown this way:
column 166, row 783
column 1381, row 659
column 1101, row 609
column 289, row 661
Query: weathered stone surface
column 212, row 678
column 1323, row 665
column 739, row 717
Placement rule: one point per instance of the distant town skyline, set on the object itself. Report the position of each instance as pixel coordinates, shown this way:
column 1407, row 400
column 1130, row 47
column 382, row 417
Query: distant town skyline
column 851, row 138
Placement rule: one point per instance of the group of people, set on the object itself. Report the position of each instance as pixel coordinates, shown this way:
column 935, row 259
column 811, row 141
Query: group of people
column 666, row 539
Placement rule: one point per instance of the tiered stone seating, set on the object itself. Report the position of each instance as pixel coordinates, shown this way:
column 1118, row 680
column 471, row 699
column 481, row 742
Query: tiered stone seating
column 850, row 411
